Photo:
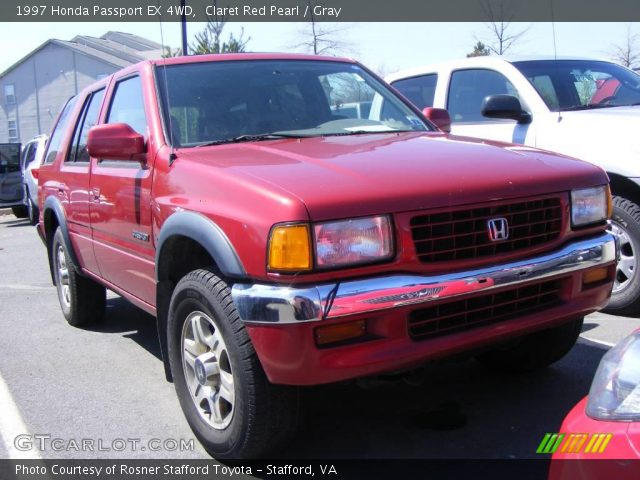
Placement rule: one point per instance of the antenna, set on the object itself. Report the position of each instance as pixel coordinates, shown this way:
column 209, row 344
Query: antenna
column 172, row 154
column 555, row 49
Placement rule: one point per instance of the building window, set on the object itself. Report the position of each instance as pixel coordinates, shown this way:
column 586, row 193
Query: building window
column 12, row 126
column 9, row 94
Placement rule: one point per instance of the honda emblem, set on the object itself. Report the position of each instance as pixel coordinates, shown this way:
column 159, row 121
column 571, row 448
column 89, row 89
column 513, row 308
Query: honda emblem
column 498, row 229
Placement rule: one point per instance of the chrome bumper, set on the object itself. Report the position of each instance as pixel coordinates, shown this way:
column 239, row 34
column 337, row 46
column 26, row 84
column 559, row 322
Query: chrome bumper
column 276, row 304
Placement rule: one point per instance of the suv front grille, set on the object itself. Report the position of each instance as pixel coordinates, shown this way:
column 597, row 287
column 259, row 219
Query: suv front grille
column 459, row 315
column 464, row 234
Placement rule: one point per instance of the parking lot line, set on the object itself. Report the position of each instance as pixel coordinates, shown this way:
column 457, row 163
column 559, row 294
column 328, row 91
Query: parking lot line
column 600, row 342
column 11, row 425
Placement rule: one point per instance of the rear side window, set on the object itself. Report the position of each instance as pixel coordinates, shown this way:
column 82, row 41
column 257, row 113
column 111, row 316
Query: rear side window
column 127, row 105
column 56, row 137
column 29, row 154
column 88, row 118
column 9, row 158
column 419, row 90
column 469, row 88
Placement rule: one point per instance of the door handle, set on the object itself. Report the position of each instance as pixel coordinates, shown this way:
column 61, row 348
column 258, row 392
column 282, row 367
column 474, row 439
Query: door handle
column 96, row 194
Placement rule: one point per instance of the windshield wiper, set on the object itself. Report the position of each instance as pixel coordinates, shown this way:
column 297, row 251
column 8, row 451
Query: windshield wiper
column 362, row 132
column 252, row 138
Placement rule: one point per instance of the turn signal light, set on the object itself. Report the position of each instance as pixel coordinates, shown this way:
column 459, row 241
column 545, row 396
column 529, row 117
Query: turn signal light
column 35, row 173
column 596, row 275
column 290, row 248
column 340, row 332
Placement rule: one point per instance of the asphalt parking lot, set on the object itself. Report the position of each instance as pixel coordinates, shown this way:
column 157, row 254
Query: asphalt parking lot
column 106, row 382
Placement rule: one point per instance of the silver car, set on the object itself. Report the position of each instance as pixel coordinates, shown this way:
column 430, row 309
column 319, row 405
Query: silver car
column 32, row 155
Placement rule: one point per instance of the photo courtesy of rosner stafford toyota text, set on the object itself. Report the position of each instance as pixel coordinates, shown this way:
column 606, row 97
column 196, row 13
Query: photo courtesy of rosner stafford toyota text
column 356, row 239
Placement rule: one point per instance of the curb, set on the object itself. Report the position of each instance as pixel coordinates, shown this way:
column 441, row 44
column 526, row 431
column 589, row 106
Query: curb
column 5, row 211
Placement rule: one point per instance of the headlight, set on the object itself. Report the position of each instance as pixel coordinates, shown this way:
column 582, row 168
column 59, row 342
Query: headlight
column 615, row 391
column 353, row 242
column 590, row 205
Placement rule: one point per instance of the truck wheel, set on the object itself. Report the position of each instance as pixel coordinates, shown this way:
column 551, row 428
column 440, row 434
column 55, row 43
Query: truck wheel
column 534, row 351
column 82, row 300
column 20, row 211
column 229, row 404
column 625, row 296
column 32, row 211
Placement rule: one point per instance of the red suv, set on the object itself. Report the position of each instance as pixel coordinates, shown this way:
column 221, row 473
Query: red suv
column 280, row 243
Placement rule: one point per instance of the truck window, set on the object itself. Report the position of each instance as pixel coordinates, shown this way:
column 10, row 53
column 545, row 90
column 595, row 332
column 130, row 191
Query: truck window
column 88, row 118
column 419, row 90
column 56, row 137
column 127, row 105
column 581, row 84
column 468, row 89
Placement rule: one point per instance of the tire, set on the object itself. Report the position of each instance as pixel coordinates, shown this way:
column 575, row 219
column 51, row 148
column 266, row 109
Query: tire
column 625, row 297
column 82, row 300
column 32, row 211
column 20, row 211
column 535, row 351
column 232, row 409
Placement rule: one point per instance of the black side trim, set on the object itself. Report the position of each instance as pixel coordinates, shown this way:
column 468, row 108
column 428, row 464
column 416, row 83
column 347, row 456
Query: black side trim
column 202, row 230
column 53, row 204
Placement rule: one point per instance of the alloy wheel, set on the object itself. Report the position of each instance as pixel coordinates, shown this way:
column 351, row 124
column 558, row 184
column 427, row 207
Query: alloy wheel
column 207, row 369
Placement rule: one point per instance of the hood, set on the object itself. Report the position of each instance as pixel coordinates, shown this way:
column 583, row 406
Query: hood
column 618, row 115
column 346, row 176
column 607, row 137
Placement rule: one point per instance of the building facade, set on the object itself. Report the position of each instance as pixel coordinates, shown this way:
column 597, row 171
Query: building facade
column 33, row 90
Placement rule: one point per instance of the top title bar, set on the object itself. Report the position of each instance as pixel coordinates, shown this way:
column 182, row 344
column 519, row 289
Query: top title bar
column 320, row 10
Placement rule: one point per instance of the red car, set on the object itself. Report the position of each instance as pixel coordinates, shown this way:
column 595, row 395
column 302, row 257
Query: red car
column 608, row 420
column 280, row 243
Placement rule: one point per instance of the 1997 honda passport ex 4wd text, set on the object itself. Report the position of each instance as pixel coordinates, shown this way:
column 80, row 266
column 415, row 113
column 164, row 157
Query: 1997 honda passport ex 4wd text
column 281, row 243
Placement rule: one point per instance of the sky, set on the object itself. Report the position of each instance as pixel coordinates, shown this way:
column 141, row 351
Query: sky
column 384, row 47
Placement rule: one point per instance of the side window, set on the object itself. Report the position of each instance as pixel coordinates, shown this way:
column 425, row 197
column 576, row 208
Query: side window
column 88, row 118
column 419, row 90
column 29, row 154
column 56, row 137
column 127, row 105
column 467, row 90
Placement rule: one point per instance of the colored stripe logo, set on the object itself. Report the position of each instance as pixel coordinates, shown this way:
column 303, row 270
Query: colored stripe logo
column 574, row 443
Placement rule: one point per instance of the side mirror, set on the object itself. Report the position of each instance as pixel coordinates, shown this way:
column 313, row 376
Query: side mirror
column 505, row 107
column 439, row 117
column 115, row 141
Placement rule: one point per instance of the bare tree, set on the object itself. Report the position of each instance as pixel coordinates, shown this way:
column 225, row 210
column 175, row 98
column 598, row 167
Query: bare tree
column 504, row 36
column 628, row 53
column 321, row 38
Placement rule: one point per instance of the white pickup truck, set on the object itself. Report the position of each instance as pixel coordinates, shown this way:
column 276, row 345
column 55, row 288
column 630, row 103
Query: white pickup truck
column 584, row 108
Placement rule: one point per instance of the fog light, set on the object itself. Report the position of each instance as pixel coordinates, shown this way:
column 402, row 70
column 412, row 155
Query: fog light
column 340, row 332
column 596, row 275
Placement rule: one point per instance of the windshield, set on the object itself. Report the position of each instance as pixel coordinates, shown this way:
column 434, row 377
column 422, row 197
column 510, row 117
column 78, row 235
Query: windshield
column 582, row 84
column 218, row 102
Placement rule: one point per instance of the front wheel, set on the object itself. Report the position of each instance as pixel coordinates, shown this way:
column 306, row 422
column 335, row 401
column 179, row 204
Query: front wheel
column 227, row 400
column 625, row 296
column 534, row 351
